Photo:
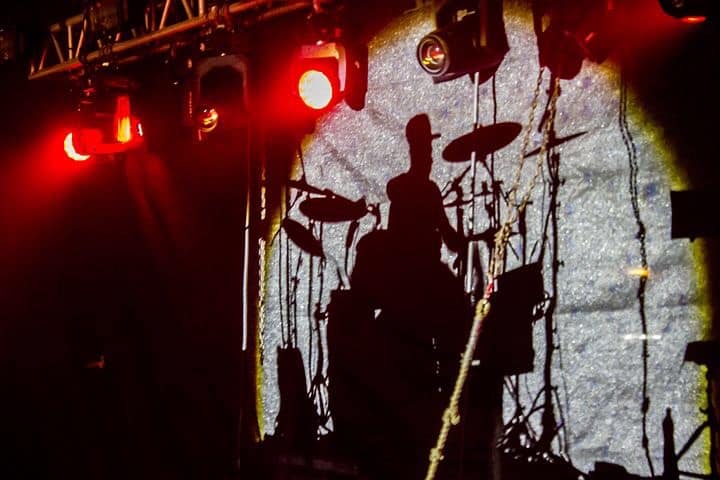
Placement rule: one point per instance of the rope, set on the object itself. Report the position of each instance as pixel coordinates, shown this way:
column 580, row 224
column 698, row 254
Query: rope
column 451, row 415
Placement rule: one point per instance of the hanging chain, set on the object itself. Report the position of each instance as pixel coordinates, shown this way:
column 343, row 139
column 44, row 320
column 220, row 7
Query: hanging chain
column 451, row 415
column 503, row 235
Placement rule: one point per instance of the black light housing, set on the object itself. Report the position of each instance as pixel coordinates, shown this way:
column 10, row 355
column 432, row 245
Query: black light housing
column 690, row 9
column 470, row 37
column 216, row 96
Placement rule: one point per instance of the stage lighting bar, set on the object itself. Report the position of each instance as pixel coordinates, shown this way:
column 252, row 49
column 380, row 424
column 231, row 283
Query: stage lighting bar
column 156, row 33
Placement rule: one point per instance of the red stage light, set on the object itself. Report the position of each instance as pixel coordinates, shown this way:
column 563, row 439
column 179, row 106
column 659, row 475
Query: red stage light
column 693, row 20
column 207, row 119
column 123, row 121
column 124, row 132
column 315, row 89
column 70, row 150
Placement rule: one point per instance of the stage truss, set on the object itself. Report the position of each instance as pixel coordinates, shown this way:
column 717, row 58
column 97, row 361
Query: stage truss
column 165, row 25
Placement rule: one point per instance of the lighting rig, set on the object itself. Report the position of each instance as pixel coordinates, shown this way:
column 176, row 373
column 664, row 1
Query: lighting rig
column 125, row 31
column 329, row 66
column 109, row 34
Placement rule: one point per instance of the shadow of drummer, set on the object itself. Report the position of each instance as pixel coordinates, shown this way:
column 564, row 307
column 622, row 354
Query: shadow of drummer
column 407, row 355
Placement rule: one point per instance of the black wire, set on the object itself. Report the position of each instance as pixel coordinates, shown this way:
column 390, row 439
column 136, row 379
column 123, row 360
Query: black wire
column 320, row 379
column 302, row 161
column 285, row 336
column 563, row 378
column 634, row 199
column 294, row 295
column 309, row 309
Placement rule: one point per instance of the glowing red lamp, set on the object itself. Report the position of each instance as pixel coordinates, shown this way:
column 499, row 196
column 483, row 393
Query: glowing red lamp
column 320, row 76
column 315, row 89
column 105, row 134
column 123, row 120
column 70, row 150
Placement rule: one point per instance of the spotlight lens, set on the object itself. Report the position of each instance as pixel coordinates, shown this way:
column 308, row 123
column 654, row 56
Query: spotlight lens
column 207, row 119
column 315, row 89
column 432, row 55
column 70, row 150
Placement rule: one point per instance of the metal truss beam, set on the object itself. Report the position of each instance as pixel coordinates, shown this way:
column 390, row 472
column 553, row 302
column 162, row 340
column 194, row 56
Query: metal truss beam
column 62, row 53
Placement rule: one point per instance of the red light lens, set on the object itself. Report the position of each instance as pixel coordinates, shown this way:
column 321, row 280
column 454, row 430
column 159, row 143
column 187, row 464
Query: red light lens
column 315, row 89
column 693, row 20
column 433, row 55
column 70, row 150
column 207, row 119
column 123, row 122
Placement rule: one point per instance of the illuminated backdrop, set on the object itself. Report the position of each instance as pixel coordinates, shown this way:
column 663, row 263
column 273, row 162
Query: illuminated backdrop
column 598, row 368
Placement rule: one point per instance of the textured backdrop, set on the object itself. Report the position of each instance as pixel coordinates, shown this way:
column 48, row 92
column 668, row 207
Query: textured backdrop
column 599, row 366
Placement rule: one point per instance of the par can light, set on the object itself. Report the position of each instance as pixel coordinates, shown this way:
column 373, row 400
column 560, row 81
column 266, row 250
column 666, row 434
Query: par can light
column 207, row 119
column 432, row 53
column 467, row 39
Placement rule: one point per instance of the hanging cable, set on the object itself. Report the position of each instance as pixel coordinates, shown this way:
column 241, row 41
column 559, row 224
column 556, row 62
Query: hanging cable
column 284, row 324
column 640, row 235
